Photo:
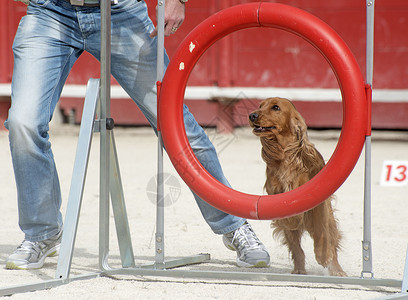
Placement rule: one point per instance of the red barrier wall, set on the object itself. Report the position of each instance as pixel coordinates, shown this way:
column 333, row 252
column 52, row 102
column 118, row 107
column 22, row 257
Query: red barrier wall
column 261, row 58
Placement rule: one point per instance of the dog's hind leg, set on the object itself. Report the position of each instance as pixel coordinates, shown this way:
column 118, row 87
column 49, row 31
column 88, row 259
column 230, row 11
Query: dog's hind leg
column 322, row 226
column 293, row 241
column 334, row 267
column 317, row 224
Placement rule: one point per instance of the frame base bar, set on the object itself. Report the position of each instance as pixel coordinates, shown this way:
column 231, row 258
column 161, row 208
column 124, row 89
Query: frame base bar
column 179, row 262
column 255, row 276
column 148, row 271
column 44, row 285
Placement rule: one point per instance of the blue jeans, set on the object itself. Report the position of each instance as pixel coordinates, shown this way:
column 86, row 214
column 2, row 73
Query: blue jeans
column 48, row 41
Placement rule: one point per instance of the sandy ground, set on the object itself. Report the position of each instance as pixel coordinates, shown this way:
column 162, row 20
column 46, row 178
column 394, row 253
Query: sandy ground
column 187, row 234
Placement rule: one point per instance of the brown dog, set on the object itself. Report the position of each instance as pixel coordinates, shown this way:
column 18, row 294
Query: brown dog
column 291, row 160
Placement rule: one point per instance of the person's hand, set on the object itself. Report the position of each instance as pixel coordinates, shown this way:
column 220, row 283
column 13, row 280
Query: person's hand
column 174, row 12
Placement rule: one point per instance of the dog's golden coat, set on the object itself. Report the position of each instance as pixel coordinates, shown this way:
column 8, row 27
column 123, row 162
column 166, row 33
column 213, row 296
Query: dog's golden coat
column 291, row 160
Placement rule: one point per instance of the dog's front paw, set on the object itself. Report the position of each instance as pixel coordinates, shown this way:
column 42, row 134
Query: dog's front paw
column 298, row 271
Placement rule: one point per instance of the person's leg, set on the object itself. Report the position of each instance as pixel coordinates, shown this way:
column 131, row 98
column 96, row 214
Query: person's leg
column 42, row 59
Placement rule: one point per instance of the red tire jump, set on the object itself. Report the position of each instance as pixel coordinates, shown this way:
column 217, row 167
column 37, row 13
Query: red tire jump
column 355, row 110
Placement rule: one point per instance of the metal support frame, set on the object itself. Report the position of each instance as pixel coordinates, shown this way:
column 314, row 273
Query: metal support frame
column 366, row 243
column 97, row 103
column 114, row 191
column 159, row 237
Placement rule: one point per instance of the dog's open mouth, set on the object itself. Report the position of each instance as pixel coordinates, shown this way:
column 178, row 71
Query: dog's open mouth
column 263, row 129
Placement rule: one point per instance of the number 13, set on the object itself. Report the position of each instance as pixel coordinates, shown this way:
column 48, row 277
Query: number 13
column 396, row 172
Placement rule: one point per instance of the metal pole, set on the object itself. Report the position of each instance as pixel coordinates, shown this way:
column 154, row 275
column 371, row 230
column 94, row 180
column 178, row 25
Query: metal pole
column 159, row 255
column 78, row 180
column 104, row 133
column 367, row 251
column 404, row 288
column 370, row 42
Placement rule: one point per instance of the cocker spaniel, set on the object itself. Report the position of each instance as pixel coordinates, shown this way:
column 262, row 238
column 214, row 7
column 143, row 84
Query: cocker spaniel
column 291, row 160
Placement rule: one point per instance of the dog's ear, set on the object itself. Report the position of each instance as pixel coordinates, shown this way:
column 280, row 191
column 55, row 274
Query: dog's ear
column 298, row 126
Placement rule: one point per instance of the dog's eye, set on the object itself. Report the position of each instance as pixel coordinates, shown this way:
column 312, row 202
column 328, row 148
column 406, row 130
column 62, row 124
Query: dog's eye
column 275, row 107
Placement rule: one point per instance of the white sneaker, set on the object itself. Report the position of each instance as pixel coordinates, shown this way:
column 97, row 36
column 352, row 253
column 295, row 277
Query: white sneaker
column 250, row 251
column 31, row 255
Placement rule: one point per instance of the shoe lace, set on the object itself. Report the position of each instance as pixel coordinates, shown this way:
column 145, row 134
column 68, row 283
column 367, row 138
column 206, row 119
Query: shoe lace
column 246, row 238
column 27, row 246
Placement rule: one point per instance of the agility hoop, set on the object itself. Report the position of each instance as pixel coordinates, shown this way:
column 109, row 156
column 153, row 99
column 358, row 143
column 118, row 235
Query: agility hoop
column 354, row 123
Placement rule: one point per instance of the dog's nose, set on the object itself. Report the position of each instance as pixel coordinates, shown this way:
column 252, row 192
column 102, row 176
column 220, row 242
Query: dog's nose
column 253, row 116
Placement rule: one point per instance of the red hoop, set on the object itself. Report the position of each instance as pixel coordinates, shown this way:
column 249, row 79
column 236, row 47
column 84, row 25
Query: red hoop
column 351, row 82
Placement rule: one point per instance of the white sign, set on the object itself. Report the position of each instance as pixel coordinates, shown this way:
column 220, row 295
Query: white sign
column 394, row 173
